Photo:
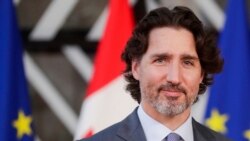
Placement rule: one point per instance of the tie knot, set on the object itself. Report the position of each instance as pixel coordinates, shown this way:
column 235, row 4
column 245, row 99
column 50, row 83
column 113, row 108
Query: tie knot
column 173, row 137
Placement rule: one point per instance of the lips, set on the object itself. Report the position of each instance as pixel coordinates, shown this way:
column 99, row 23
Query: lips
column 172, row 93
column 172, row 90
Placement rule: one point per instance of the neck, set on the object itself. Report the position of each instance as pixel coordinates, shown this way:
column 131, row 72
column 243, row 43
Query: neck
column 171, row 122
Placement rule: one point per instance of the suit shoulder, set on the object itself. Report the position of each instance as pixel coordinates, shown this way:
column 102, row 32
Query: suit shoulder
column 119, row 131
column 210, row 132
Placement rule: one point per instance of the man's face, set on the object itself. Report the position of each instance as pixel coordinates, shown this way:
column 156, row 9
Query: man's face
column 169, row 72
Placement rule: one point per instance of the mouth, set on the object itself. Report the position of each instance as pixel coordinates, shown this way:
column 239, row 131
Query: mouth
column 174, row 94
column 173, row 91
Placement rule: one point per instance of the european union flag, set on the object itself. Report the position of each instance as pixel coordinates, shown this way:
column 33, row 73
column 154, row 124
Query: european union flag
column 228, row 109
column 15, row 114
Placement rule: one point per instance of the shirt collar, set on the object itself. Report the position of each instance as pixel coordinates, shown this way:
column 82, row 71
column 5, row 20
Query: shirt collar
column 155, row 131
column 186, row 130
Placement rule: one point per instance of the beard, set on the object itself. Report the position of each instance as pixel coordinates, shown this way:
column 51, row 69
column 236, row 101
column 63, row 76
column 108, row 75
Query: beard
column 167, row 106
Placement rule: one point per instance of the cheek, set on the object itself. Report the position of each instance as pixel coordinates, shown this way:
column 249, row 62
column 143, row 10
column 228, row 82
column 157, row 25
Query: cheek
column 150, row 79
column 152, row 75
column 192, row 82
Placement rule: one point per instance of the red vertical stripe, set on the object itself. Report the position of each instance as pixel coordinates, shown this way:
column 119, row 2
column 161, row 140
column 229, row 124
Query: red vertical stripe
column 118, row 29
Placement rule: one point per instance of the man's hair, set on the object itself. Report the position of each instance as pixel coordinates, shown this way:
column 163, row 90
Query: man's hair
column 179, row 17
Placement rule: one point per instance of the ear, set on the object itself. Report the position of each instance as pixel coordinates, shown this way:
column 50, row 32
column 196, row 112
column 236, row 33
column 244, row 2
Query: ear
column 135, row 69
column 202, row 76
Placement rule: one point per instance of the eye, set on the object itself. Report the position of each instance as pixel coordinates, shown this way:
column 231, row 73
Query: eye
column 160, row 61
column 188, row 63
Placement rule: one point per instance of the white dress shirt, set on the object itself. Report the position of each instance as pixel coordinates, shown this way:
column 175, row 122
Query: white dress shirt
column 155, row 131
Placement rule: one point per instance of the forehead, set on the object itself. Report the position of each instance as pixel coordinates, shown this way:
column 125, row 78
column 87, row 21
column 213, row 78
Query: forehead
column 171, row 40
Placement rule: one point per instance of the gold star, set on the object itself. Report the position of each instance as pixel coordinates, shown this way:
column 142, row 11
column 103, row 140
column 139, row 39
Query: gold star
column 217, row 121
column 23, row 124
column 247, row 134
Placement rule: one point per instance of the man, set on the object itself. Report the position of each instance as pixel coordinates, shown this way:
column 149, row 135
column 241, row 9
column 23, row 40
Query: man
column 170, row 61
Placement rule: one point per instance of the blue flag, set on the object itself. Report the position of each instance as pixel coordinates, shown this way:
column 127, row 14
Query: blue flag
column 228, row 109
column 15, row 113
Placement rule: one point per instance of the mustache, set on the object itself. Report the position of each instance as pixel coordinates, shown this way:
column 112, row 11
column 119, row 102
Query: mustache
column 172, row 87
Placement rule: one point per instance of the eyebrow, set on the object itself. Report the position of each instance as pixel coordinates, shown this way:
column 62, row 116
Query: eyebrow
column 160, row 55
column 166, row 55
column 190, row 57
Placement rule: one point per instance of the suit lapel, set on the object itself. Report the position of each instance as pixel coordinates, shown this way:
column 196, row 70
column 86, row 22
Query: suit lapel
column 131, row 129
column 201, row 133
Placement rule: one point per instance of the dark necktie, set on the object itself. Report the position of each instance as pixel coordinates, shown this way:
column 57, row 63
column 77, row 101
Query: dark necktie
column 173, row 137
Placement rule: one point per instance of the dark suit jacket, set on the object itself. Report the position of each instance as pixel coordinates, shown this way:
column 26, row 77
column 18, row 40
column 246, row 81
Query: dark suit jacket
column 130, row 129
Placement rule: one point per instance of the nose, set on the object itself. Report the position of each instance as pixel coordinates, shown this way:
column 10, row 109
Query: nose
column 173, row 73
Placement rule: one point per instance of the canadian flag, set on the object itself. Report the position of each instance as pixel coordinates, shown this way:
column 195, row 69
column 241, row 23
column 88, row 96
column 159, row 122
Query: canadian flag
column 107, row 102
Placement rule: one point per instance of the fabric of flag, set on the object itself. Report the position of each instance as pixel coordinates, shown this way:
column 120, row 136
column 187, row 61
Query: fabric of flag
column 228, row 109
column 15, row 113
column 107, row 101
